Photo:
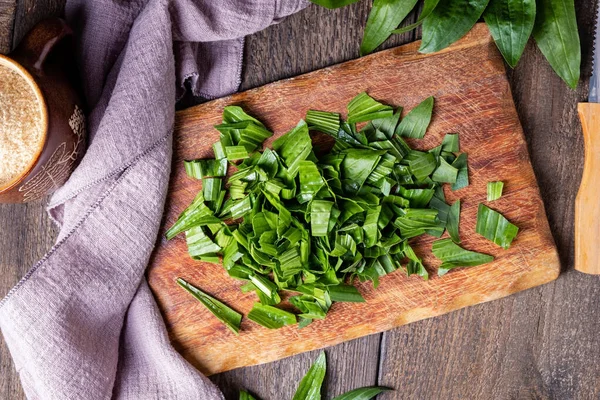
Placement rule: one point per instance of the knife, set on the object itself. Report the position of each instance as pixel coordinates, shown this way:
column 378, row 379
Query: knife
column 587, row 203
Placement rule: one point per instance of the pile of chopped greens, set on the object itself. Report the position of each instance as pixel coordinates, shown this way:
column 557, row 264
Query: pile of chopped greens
column 310, row 386
column 311, row 220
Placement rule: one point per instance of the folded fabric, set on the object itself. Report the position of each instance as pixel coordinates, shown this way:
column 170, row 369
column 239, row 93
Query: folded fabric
column 83, row 324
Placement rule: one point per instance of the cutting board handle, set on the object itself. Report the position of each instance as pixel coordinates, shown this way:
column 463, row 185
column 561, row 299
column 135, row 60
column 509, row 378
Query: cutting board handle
column 587, row 203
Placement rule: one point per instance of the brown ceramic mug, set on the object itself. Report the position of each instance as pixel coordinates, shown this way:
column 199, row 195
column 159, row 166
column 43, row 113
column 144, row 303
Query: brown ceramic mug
column 42, row 125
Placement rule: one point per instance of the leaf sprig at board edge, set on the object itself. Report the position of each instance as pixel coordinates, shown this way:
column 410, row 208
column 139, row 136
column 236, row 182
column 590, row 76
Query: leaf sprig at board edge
column 311, row 223
column 311, row 385
column 552, row 23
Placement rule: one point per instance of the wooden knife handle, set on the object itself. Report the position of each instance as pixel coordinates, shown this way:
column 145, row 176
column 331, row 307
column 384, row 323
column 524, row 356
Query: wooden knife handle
column 587, row 203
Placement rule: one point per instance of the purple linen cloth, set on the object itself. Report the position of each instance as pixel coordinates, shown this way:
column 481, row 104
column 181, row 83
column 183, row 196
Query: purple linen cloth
column 83, row 324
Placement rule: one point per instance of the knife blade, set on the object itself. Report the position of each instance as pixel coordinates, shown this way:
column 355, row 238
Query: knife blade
column 587, row 204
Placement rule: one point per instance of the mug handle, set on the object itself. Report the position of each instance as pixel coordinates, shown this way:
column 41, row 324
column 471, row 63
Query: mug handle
column 40, row 41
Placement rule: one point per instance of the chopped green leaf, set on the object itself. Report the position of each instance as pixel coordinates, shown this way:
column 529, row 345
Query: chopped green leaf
column 450, row 143
column 494, row 190
column 415, row 124
column 454, row 256
column 326, row 122
column 493, row 226
column 364, row 108
column 462, row 177
column 225, row 314
column 271, row 317
column 453, row 221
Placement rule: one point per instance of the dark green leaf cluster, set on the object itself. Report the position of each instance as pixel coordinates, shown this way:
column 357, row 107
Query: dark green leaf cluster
column 511, row 22
column 311, row 222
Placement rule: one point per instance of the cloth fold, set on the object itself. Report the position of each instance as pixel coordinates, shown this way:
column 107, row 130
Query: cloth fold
column 83, row 324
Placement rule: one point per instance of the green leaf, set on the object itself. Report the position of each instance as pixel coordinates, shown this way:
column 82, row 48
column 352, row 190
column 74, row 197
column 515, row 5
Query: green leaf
column 445, row 172
column 555, row 32
column 453, row 222
column 326, row 122
column 421, row 164
column 428, row 7
column 493, row 226
column 320, row 213
column 246, row 396
column 234, row 153
column 310, row 385
column 199, row 243
column 331, row 4
column 364, row 108
column 356, row 168
column 454, row 256
column 462, row 178
column 494, row 190
column 225, row 314
column 448, row 22
column 450, row 143
column 233, row 114
column 364, row 393
column 511, row 23
column 294, row 147
column 271, row 317
column 415, row 124
column 345, row 293
column 384, row 17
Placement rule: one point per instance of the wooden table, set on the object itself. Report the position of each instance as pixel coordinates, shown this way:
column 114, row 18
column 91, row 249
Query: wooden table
column 542, row 343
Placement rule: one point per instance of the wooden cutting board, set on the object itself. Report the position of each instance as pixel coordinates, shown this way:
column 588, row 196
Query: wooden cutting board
column 473, row 98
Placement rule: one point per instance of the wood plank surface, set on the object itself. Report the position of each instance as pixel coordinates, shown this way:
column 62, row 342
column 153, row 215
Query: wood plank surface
column 472, row 98
column 538, row 344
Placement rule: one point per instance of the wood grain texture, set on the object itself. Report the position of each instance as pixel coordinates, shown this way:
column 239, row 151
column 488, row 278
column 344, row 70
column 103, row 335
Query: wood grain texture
column 587, row 206
column 537, row 344
column 472, row 98
column 7, row 21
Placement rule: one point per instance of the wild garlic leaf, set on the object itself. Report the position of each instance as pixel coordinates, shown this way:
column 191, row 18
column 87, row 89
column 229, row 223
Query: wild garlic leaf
column 445, row 172
column 225, row 314
column 453, row 222
column 462, row 177
column 450, row 143
column 494, row 190
column 415, row 124
column 364, row 393
column 555, row 32
column 454, row 256
column 448, row 22
column 271, row 317
column 364, row 108
column 322, row 121
column 493, row 226
column 345, row 293
column 511, row 23
column 428, row 7
column 310, row 385
column 384, row 17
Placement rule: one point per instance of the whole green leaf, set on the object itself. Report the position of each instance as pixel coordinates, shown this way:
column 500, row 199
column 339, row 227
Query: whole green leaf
column 511, row 23
column 246, row 396
column 331, row 4
column 384, row 17
column 225, row 314
column 364, row 393
column 495, row 227
column 310, row 385
column 555, row 32
column 428, row 7
column 415, row 124
column 448, row 22
column 454, row 256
